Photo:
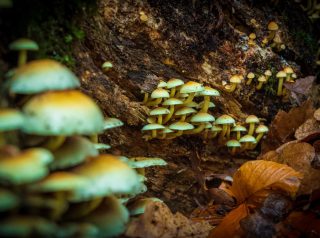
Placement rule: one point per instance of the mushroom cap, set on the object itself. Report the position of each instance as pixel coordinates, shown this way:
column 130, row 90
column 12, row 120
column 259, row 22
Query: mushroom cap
column 23, row 44
column 250, row 75
column 159, row 111
column 61, row 181
column 191, row 87
column 281, row 74
column 174, row 82
column 8, row 200
column 273, row 26
column 238, row 128
column 152, row 126
column 62, row 113
column 268, row 72
column 262, row 79
column 211, row 105
column 26, row 167
column 235, row 79
column 216, row 128
column 252, row 119
column 160, row 93
column 143, row 162
column 262, row 129
column 233, row 143
column 172, row 101
column 111, row 217
column 101, row 146
column 111, row 122
column 208, row 125
column 247, row 138
column 162, row 84
column 185, row 111
column 107, row 64
column 294, row 76
column 73, row 152
column 138, row 207
column 107, row 175
column 252, row 36
column 202, row 117
column 224, row 119
column 167, row 130
column 181, row 126
column 10, row 119
column 288, row 70
column 192, row 104
column 42, row 75
column 209, row 92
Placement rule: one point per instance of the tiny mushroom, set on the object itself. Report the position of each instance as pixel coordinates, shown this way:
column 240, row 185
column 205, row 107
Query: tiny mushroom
column 289, row 71
column 261, row 130
column 180, row 127
column 171, row 102
column 214, row 131
column 272, row 27
column 248, row 140
column 252, row 120
column 238, row 129
column 207, row 93
column 159, row 111
column 191, row 88
column 262, row 79
column 200, row 118
column 106, row 66
column 234, row 80
column 158, row 95
column 250, row 77
column 173, row 84
column 281, row 75
column 267, row 74
column 226, row 121
column 153, row 127
column 233, row 145
column 252, row 38
column 183, row 112
column 23, row 45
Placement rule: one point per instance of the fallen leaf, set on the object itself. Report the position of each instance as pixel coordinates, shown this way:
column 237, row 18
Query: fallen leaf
column 301, row 86
column 309, row 127
column 316, row 114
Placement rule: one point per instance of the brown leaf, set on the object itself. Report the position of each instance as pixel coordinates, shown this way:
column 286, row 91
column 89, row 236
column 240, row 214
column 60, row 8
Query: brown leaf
column 285, row 124
column 310, row 126
column 230, row 226
column 301, row 86
column 255, row 176
column 316, row 114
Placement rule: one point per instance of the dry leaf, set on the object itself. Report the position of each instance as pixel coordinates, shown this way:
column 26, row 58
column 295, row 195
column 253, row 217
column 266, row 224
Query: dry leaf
column 285, row 124
column 301, row 86
column 309, row 127
column 158, row 221
column 316, row 114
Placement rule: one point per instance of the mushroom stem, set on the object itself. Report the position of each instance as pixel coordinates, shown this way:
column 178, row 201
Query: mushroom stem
column 183, row 118
column 238, row 135
column 168, row 116
column 259, row 137
column 60, row 207
column 206, row 133
column 223, row 133
column 173, row 92
column 259, row 86
column 232, row 88
column 141, row 171
column 179, row 133
column 189, row 98
column 206, row 102
column 213, row 134
column 271, row 35
column 228, row 132
column 160, row 119
column 94, row 138
column 200, row 128
column 54, row 142
column 145, row 98
column 279, row 92
column 155, row 102
column 233, row 150
column 153, row 133
column 249, row 81
column 22, row 59
column 251, row 129
column 86, row 208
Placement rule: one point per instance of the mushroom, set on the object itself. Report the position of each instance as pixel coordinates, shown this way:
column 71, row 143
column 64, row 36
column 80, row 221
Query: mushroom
column 162, row 84
column 42, row 75
column 138, row 207
column 200, row 105
column 207, row 93
column 191, row 88
column 183, row 112
column 180, row 127
column 273, row 28
column 248, row 140
column 261, row 130
column 267, row 74
column 238, row 129
column 23, row 45
column 106, row 66
column 264, row 42
column 10, row 119
column 201, row 118
column 250, row 77
column 280, row 75
column 214, row 131
column 173, row 84
column 252, row 120
column 8, row 200
column 233, row 145
column 158, row 95
column 159, row 111
column 61, row 113
column 153, row 127
column 289, row 71
column 111, row 122
column 171, row 102
column 252, row 38
column 234, row 80
column 226, row 121
column 262, row 79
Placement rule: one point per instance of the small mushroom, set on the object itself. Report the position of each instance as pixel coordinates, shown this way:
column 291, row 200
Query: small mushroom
column 234, row 80
column 252, row 38
column 23, row 45
column 238, row 129
column 180, row 127
column 159, row 111
column 267, row 74
column 153, row 128
column 262, row 79
column 183, row 112
column 252, row 120
column 281, row 75
column 289, row 71
column 214, row 131
column 207, row 93
column 261, row 130
column 273, row 28
column 173, row 84
column 158, row 95
column 233, row 145
column 171, row 102
column 226, row 121
column 201, row 118
column 248, row 140
column 191, row 88
column 106, row 66
column 250, row 77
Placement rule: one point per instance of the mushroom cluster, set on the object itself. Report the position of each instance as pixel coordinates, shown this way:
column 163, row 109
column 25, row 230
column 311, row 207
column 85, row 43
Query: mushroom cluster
column 53, row 180
column 178, row 108
column 286, row 75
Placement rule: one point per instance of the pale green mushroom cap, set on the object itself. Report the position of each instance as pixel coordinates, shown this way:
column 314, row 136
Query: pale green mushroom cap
column 210, row 92
column 111, row 218
column 23, row 44
column 162, row 84
column 73, row 152
column 160, row 93
column 262, row 129
column 107, row 175
column 268, row 72
column 224, row 119
column 215, row 128
column 107, row 65
column 211, row 105
column 191, row 87
column 42, row 75
column 174, row 82
column 152, row 126
column 181, row 126
column 61, row 181
column 193, row 104
column 252, row 119
column 172, row 101
column 27, row 226
column 138, row 207
column 26, row 167
column 281, row 74
column 62, row 113
column 112, row 123
column 262, row 79
column 233, row 143
column 101, row 146
column 208, row 125
column 159, row 111
column 247, row 138
column 8, row 200
column 202, row 117
column 167, row 130
column 142, row 162
column 10, row 119
column 185, row 111
column 238, row 128
column 250, row 75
